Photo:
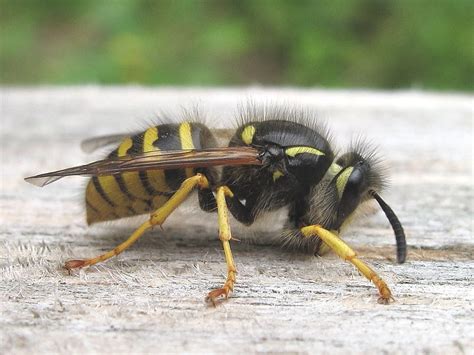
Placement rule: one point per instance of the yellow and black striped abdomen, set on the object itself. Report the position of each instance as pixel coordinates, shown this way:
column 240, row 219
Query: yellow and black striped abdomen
column 134, row 193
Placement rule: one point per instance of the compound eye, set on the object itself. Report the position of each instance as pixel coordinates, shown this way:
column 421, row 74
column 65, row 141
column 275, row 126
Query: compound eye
column 352, row 181
column 350, row 184
column 356, row 178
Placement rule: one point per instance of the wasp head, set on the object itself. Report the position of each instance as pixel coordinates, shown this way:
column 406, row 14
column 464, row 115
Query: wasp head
column 358, row 176
column 353, row 179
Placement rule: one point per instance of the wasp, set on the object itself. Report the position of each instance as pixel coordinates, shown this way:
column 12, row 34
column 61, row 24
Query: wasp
column 277, row 158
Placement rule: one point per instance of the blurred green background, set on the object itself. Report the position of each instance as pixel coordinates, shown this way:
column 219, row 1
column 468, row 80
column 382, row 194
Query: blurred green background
column 339, row 43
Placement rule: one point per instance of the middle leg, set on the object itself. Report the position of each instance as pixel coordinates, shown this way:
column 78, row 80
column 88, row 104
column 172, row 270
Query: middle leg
column 225, row 237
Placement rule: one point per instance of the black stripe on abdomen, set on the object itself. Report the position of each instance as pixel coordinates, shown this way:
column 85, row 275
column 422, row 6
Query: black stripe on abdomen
column 123, row 187
column 101, row 192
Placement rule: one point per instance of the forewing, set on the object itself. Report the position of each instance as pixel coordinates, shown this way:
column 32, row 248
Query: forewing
column 156, row 160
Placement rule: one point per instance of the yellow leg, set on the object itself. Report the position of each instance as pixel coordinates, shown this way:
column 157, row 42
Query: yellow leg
column 346, row 253
column 156, row 218
column 225, row 237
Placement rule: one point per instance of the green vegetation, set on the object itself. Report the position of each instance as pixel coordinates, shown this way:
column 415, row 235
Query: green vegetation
column 339, row 43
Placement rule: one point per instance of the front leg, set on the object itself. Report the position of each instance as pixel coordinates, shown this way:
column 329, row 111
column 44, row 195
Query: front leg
column 346, row 253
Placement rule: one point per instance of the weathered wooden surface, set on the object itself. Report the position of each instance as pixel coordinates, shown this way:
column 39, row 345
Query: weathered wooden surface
column 150, row 299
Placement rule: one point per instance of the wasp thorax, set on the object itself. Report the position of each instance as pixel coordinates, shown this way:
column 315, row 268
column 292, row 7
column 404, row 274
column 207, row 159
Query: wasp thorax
column 272, row 154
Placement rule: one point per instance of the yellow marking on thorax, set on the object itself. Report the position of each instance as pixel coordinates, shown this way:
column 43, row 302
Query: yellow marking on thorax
column 293, row 151
column 186, row 138
column 247, row 134
column 277, row 174
column 342, row 180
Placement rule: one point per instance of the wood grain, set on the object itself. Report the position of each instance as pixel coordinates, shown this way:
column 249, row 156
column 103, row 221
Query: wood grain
column 150, row 299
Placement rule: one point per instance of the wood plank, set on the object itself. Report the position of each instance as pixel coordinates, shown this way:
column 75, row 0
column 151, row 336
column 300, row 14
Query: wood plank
column 150, row 299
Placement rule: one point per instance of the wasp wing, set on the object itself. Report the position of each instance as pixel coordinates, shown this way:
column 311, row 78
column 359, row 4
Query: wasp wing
column 90, row 145
column 156, row 160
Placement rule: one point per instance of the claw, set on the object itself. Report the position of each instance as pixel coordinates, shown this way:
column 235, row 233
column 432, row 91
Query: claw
column 385, row 300
column 74, row 264
column 215, row 296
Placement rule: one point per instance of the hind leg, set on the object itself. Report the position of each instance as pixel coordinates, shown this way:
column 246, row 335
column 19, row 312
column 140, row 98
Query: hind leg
column 157, row 218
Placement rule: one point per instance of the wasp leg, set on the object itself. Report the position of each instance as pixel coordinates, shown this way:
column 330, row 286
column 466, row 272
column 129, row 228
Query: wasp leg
column 207, row 201
column 242, row 213
column 225, row 237
column 346, row 253
column 156, row 218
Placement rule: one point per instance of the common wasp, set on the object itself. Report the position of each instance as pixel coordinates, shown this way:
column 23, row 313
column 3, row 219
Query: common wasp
column 277, row 158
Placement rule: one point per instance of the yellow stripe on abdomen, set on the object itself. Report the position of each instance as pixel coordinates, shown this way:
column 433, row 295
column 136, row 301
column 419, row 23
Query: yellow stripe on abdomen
column 94, row 199
column 131, row 180
column 109, row 185
column 134, row 193
column 150, row 137
column 186, row 137
column 97, row 209
column 156, row 178
column 140, row 207
column 124, row 147
column 112, row 190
